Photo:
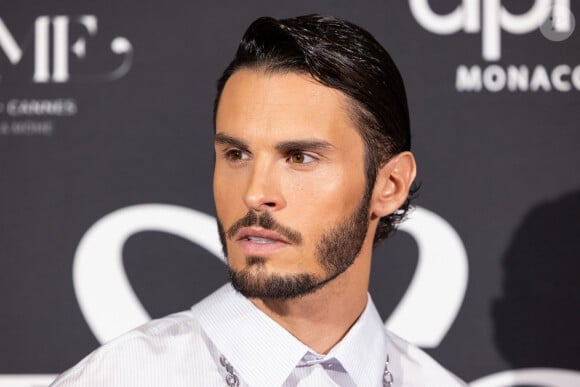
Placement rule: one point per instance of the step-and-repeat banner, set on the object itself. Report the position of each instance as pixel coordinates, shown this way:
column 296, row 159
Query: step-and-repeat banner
column 106, row 211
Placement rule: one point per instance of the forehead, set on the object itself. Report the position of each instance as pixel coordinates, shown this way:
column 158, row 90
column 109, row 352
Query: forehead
column 254, row 102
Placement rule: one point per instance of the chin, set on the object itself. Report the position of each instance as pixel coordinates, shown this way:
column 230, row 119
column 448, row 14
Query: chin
column 258, row 283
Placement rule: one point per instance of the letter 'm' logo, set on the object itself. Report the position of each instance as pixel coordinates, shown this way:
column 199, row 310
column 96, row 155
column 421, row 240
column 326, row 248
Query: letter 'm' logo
column 58, row 47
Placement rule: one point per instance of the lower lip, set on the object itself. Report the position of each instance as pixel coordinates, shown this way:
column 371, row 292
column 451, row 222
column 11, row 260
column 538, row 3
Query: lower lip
column 250, row 247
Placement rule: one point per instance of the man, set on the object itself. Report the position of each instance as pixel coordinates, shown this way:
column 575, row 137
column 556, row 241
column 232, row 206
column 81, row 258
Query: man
column 312, row 169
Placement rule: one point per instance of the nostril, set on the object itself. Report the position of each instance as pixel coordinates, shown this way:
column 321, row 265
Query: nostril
column 270, row 204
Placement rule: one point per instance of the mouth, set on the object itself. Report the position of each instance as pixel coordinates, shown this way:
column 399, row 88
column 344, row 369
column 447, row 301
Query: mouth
column 259, row 241
column 260, row 235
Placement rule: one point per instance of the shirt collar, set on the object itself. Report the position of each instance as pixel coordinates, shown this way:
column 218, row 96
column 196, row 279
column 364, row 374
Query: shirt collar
column 246, row 336
column 362, row 351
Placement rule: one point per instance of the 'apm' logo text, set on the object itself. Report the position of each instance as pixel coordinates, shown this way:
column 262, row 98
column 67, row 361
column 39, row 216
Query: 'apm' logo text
column 490, row 18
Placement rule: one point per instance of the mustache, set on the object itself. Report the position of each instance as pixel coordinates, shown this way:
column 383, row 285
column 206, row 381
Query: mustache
column 267, row 222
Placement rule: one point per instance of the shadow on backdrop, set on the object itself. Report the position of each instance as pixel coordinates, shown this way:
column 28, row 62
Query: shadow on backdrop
column 537, row 319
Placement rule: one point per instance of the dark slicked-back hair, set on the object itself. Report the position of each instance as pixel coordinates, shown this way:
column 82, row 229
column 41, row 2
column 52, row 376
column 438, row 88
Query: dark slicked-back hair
column 343, row 56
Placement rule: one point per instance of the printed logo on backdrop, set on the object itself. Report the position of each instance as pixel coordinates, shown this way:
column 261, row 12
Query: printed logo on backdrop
column 46, row 55
column 491, row 20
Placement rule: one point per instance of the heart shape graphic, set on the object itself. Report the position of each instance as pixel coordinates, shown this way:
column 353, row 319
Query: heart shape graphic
column 435, row 292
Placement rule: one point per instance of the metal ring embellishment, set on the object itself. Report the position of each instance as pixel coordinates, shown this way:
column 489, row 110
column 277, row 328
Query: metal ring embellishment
column 232, row 379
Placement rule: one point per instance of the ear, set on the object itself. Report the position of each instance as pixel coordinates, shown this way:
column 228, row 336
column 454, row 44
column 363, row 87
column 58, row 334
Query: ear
column 392, row 184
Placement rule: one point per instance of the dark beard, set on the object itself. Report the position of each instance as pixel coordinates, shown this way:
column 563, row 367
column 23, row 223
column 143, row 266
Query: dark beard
column 336, row 251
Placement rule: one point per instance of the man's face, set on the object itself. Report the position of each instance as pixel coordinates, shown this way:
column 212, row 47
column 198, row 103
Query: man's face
column 289, row 183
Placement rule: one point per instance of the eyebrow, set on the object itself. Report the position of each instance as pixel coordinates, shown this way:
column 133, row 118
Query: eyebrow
column 224, row 139
column 312, row 145
column 282, row 147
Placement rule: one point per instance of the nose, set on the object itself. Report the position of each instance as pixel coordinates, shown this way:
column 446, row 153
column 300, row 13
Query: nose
column 263, row 191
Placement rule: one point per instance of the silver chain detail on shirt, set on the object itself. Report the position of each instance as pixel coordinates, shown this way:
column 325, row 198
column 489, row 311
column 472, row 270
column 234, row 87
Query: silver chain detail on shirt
column 232, row 379
column 387, row 375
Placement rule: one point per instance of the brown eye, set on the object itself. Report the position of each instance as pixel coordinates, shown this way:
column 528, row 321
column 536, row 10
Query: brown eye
column 297, row 158
column 301, row 158
column 236, row 155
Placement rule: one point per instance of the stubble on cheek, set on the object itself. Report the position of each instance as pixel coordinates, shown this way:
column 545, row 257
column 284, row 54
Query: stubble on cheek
column 222, row 236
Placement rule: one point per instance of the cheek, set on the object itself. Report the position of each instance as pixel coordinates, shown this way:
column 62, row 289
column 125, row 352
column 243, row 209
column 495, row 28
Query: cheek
column 327, row 198
column 225, row 195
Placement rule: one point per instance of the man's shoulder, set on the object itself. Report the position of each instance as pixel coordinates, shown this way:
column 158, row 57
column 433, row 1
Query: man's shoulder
column 415, row 367
column 156, row 335
column 155, row 349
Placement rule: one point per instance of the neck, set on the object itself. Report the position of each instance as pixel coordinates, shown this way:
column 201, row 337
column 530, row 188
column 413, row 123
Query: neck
column 321, row 319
